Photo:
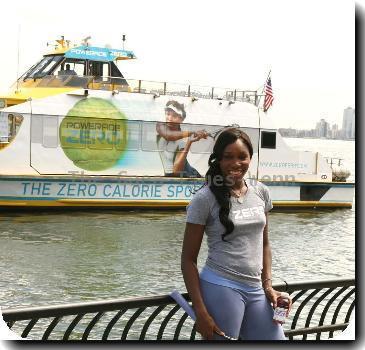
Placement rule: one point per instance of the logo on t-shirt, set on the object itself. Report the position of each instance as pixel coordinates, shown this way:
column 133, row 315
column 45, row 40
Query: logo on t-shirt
column 248, row 213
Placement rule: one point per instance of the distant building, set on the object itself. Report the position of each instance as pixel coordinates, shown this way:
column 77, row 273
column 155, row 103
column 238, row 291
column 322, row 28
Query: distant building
column 288, row 132
column 322, row 128
column 335, row 132
column 348, row 123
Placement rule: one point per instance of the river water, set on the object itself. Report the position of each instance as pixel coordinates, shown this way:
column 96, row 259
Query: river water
column 66, row 257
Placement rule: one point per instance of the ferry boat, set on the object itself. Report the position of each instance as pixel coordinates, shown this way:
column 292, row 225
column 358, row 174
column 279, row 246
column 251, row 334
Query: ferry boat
column 74, row 132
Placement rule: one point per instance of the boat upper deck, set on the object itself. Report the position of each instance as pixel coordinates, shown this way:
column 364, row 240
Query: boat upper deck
column 68, row 67
column 157, row 88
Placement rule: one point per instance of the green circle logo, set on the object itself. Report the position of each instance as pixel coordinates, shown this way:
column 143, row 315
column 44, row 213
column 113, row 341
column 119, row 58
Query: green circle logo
column 93, row 134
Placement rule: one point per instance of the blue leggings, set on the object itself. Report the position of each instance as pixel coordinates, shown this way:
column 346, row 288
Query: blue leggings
column 244, row 314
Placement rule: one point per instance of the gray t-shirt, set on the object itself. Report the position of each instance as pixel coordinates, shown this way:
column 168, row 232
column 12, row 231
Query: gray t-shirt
column 240, row 257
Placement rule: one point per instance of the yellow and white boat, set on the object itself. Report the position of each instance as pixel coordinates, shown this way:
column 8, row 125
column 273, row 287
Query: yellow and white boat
column 74, row 132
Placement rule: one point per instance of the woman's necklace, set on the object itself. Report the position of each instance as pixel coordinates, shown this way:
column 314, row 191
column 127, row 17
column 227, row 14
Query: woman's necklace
column 238, row 194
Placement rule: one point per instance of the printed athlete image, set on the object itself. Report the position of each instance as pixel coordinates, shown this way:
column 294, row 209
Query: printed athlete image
column 174, row 144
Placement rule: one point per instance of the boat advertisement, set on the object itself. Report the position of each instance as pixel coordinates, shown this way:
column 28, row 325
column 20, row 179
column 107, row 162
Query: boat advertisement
column 108, row 137
column 97, row 53
column 136, row 189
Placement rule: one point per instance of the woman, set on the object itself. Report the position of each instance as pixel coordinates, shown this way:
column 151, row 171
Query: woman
column 173, row 149
column 233, row 293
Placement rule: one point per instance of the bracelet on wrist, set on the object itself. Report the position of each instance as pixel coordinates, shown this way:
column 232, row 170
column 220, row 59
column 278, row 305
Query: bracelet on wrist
column 266, row 288
column 265, row 280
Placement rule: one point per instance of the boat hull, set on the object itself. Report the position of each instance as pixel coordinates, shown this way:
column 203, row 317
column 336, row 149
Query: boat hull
column 153, row 192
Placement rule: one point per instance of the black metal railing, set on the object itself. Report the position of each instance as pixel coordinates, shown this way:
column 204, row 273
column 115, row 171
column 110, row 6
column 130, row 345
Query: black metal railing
column 321, row 309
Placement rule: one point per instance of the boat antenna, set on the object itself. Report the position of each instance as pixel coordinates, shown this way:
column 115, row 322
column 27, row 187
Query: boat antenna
column 17, row 68
column 123, row 39
column 85, row 41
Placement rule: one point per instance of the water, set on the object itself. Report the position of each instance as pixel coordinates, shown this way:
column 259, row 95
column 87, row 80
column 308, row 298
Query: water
column 52, row 258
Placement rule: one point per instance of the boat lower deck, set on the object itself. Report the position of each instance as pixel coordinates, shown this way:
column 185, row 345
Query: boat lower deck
column 153, row 192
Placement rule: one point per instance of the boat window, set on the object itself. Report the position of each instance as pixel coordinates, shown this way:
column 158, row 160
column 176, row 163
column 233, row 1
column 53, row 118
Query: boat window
column 97, row 133
column 166, row 139
column 9, row 126
column 115, row 72
column 100, row 133
column 4, row 128
column 37, row 67
column 44, row 67
column 117, row 75
column 70, row 67
column 133, row 136
column 36, row 135
column 268, row 139
column 26, row 74
column 203, row 145
column 120, row 133
column 50, row 132
column 99, row 70
column 149, row 136
column 73, row 134
column 254, row 135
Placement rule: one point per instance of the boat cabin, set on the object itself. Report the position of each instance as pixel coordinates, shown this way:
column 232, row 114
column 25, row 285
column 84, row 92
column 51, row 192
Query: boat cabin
column 77, row 67
column 67, row 68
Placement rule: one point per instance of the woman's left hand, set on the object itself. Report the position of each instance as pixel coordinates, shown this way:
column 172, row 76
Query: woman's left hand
column 273, row 296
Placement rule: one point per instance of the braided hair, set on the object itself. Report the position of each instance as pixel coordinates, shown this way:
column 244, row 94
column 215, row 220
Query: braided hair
column 221, row 191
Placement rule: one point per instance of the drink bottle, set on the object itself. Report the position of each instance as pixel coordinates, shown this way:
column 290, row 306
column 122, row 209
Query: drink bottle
column 281, row 308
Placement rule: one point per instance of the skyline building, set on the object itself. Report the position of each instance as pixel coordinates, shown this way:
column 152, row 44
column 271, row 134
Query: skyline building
column 335, row 132
column 348, row 123
column 322, row 128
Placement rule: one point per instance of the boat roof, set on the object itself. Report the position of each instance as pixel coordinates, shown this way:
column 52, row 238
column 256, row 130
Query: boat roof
column 94, row 53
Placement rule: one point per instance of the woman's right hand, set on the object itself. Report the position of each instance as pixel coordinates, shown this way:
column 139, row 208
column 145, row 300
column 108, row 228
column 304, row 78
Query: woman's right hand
column 206, row 326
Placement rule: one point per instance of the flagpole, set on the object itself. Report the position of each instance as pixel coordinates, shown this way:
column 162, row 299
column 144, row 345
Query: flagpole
column 258, row 110
column 268, row 76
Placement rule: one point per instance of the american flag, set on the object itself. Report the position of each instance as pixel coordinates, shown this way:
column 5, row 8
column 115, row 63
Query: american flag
column 269, row 97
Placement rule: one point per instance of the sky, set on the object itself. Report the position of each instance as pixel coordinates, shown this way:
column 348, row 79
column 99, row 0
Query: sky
column 309, row 46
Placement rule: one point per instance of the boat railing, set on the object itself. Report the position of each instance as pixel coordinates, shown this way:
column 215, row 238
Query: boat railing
column 321, row 310
column 148, row 87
